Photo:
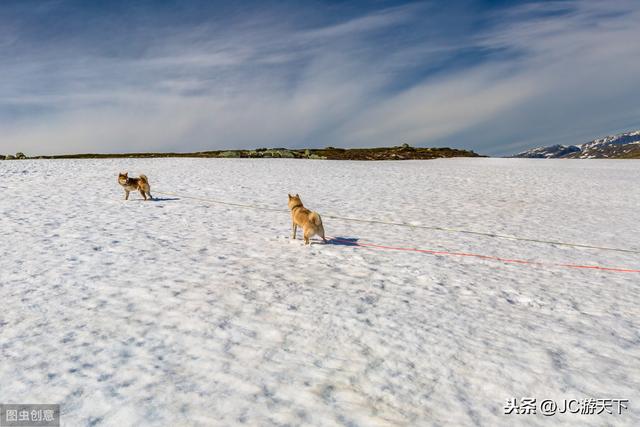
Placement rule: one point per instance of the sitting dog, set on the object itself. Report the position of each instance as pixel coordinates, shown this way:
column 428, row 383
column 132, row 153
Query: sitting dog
column 132, row 184
column 310, row 222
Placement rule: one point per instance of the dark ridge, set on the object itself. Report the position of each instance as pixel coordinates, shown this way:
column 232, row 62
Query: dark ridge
column 403, row 152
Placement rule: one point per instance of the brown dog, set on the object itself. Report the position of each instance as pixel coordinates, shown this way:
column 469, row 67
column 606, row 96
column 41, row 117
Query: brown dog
column 132, row 184
column 310, row 222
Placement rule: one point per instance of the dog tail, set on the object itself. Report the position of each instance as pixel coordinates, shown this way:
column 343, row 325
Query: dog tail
column 144, row 179
column 315, row 219
column 317, row 222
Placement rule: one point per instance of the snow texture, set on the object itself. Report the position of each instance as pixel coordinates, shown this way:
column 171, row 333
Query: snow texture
column 182, row 312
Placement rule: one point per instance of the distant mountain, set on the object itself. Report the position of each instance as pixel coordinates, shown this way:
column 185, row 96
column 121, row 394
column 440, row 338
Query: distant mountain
column 621, row 146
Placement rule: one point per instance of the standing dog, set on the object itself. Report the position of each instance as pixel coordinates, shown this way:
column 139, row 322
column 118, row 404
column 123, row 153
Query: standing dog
column 132, row 184
column 310, row 222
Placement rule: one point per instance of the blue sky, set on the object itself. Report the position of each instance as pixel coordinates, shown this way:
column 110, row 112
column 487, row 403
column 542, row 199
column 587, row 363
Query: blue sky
column 493, row 76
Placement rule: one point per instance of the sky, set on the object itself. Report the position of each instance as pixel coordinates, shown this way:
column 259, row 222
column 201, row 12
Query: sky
column 496, row 77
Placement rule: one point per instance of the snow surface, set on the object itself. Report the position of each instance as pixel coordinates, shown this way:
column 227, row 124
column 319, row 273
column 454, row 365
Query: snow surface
column 182, row 312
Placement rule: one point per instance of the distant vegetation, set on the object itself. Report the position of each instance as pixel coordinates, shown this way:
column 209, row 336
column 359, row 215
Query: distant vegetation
column 402, row 152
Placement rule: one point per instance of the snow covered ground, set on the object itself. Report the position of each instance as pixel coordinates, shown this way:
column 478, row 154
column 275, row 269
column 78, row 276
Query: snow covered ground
column 182, row 312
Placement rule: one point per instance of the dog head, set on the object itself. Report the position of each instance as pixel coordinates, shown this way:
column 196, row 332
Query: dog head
column 294, row 201
column 123, row 177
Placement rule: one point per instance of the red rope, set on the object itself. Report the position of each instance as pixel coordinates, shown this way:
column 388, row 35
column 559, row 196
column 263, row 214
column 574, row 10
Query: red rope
column 486, row 257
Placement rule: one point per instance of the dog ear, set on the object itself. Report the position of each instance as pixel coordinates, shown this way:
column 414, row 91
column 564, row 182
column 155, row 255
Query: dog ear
column 297, row 195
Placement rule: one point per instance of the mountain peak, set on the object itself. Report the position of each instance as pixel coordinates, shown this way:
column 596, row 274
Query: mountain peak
column 621, row 146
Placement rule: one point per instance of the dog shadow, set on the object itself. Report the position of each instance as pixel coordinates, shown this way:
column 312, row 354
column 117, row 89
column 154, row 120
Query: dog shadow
column 343, row 241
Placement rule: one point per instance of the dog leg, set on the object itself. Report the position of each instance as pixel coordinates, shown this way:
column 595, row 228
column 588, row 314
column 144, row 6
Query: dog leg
column 294, row 227
column 143, row 195
column 307, row 235
column 150, row 196
column 126, row 194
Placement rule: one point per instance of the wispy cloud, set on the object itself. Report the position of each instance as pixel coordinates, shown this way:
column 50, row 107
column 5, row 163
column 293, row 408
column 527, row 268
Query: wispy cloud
column 498, row 81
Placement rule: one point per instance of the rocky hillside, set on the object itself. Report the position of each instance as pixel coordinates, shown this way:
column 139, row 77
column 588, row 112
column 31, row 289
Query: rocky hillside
column 621, row 146
column 402, row 152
